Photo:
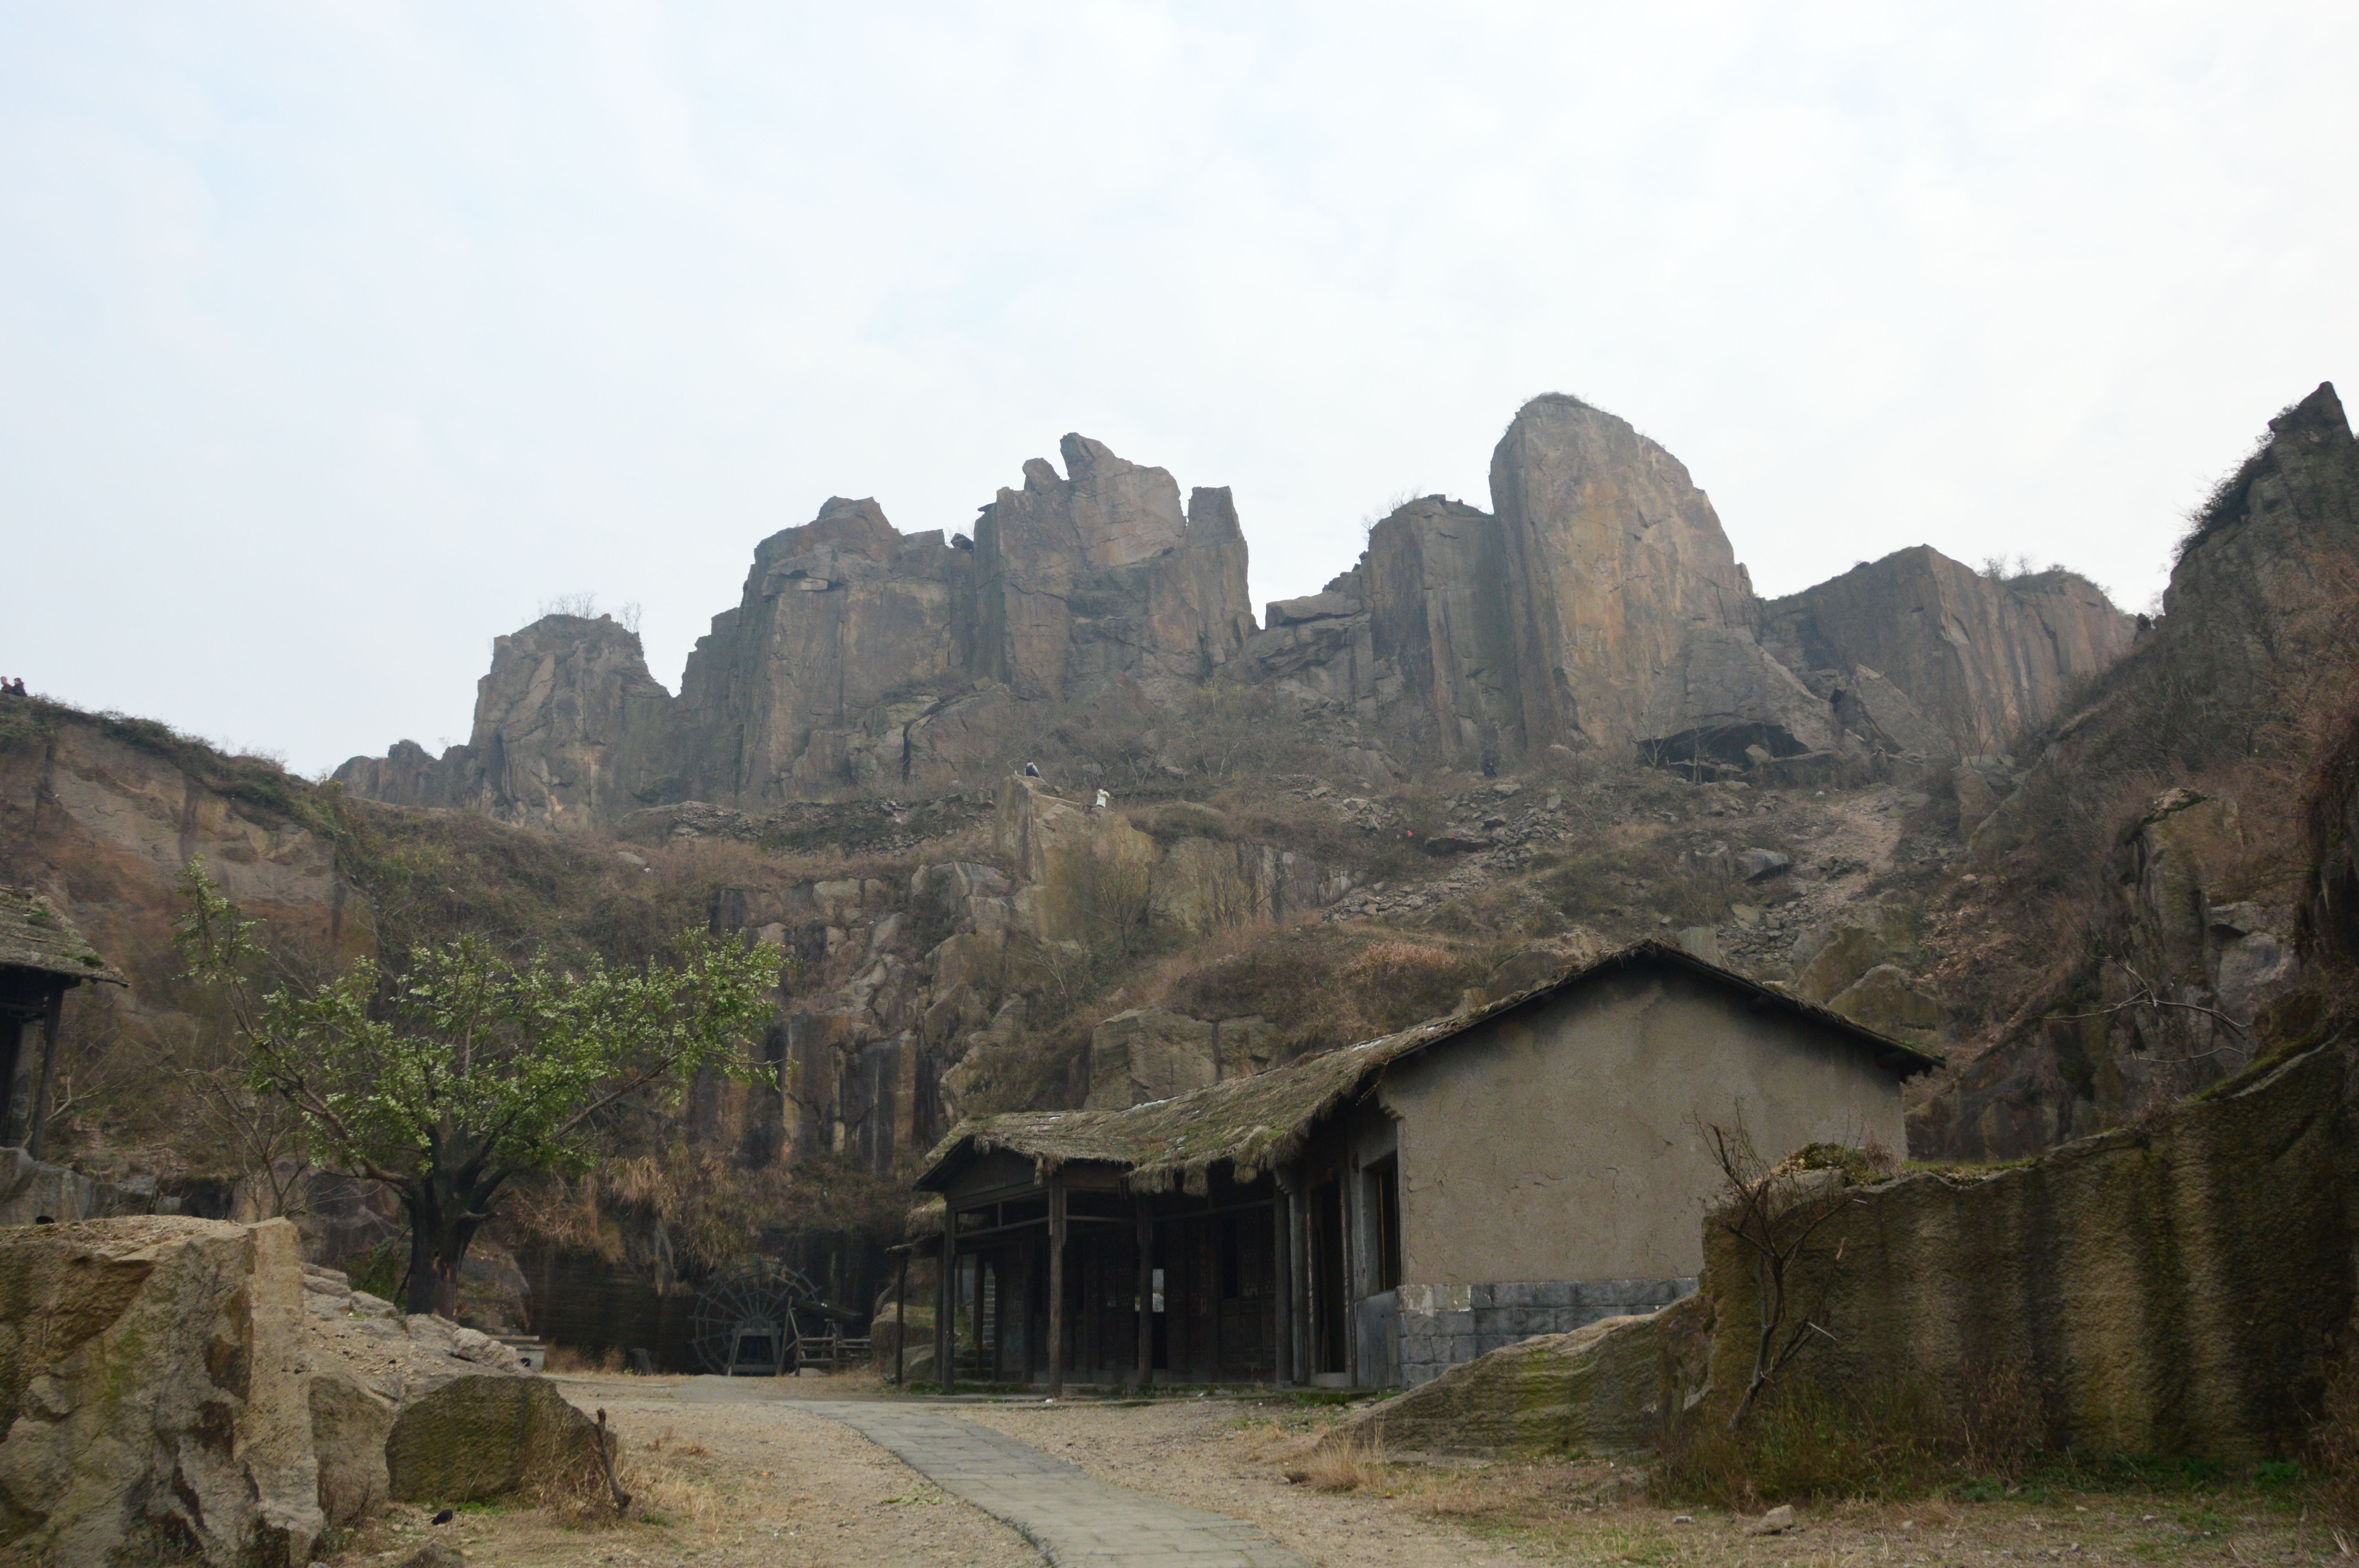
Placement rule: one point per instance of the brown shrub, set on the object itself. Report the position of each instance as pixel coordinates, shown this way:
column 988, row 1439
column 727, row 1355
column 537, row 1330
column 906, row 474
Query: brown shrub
column 2334, row 1447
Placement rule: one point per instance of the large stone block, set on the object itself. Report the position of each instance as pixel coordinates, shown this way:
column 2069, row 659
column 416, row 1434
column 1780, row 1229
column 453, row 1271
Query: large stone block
column 152, row 1394
column 1607, row 1388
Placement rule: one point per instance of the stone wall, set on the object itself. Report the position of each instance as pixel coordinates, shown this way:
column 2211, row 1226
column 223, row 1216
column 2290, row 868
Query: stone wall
column 2173, row 1291
column 1442, row 1326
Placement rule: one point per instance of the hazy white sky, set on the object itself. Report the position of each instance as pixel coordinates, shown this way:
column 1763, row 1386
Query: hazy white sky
column 336, row 336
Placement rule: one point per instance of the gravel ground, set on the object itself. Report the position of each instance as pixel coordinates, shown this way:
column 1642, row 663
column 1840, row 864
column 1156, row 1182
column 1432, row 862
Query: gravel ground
column 732, row 1481
column 1225, row 1457
column 734, row 1485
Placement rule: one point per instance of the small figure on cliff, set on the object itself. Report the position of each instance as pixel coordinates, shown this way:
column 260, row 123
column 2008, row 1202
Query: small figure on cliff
column 15, row 686
column 1102, row 801
column 1031, row 771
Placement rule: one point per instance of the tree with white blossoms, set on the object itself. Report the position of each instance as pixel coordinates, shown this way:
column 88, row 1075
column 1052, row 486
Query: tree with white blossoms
column 448, row 1078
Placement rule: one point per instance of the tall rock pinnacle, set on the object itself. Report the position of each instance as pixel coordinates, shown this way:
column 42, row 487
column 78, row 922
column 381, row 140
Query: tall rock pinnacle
column 1613, row 554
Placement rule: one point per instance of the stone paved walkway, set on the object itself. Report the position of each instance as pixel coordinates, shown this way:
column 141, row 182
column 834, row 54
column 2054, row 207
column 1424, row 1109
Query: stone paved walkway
column 1075, row 1521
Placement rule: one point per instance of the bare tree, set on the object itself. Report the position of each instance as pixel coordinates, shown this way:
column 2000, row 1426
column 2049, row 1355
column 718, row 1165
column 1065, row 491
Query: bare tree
column 1775, row 1214
column 2148, row 997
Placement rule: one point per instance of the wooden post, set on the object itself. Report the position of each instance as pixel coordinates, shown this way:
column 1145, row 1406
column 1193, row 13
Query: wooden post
column 1028, row 1272
column 12, row 1037
column 1282, row 1286
column 946, row 1306
column 49, row 1071
column 1145, row 1294
column 901, row 1320
column 1057, row 1286
column 982, row 1369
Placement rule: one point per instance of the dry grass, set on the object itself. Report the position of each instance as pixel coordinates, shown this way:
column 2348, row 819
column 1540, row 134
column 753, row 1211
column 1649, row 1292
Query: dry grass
column 2334, row 1447
column 566, row 1358
column 1345, row 1467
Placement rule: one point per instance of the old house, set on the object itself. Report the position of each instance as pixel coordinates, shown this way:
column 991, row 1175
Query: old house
column 1371, row 1216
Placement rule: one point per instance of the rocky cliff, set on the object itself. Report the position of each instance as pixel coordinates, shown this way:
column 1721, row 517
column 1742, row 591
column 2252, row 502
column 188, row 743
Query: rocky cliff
column 859, row 658
column 2138, row 890
column 1597, row 608
column 1983, row 658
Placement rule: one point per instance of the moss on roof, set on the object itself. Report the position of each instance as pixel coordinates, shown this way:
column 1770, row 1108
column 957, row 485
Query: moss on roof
column 34, row 935
column 1256, row 1123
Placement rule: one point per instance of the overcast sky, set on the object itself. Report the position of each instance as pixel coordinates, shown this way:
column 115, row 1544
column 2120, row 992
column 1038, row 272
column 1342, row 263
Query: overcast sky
column 335, row 338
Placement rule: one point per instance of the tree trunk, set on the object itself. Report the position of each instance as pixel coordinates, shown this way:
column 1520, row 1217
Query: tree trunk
column 446, row 1209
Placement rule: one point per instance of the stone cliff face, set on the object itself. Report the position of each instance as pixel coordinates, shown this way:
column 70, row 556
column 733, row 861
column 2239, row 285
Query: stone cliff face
column 2217, row 718
column 1597, row 607
column 1983, row 659
column 847, row 631
column 859, row 657
column 568, row 724
column 1099, row 576
column 1614, row 556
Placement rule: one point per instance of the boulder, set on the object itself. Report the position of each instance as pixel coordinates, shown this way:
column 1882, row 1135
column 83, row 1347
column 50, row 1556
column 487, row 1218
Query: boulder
column 1724, row 699
column 483, row 1435
column 152, row 1394
column 1833, row 955
column 1878, row 709
column 418, row 1408
column 1150, row 1053
column 1607, row 1389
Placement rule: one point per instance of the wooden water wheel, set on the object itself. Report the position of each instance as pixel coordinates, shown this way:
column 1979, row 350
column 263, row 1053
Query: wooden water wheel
column 751, row 1319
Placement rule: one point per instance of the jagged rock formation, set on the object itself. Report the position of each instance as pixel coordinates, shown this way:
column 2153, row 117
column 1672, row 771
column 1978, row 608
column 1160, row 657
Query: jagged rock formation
column 859, row 656
column 567, row 723
column 2210, row 725
column 1984, row 659
column 1614, row 556
column 1601, row 606
column 1598, row 606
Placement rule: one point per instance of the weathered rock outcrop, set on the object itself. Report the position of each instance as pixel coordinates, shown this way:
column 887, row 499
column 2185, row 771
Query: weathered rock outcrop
column 176, row 1388
column 847, row 631
column 1614, row 555
column 1723, row 699
column 2223, row 697
column 1100, row 575
column 859, row 656
column 1983, row 658
column 1151, row 1053
column 1599, row 604
column 1611, row 1388
column 151, row 1394
column 568, row 724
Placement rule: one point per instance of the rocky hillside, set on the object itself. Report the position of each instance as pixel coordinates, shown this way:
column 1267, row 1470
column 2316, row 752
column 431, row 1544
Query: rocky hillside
column 1991, row 814
column 2124, row 922
column 1597, row 608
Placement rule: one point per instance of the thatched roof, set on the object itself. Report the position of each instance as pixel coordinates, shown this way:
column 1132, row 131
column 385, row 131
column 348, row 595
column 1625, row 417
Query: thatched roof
column 1254, row 1123
column 34, row 935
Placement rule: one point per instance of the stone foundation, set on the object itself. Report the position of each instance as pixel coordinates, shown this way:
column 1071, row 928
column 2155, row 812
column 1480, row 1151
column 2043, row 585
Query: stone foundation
column 1443, row 1326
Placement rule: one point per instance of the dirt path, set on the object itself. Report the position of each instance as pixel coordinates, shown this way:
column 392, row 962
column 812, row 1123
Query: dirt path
column 736, row 1478
column 741, row 1485
column 1226, row 1457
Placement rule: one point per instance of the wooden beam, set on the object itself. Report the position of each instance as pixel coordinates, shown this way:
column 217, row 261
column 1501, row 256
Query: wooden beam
column 1057, row 1286
column 49, row 1071
column 946, row 1305
column 1145, row 1294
